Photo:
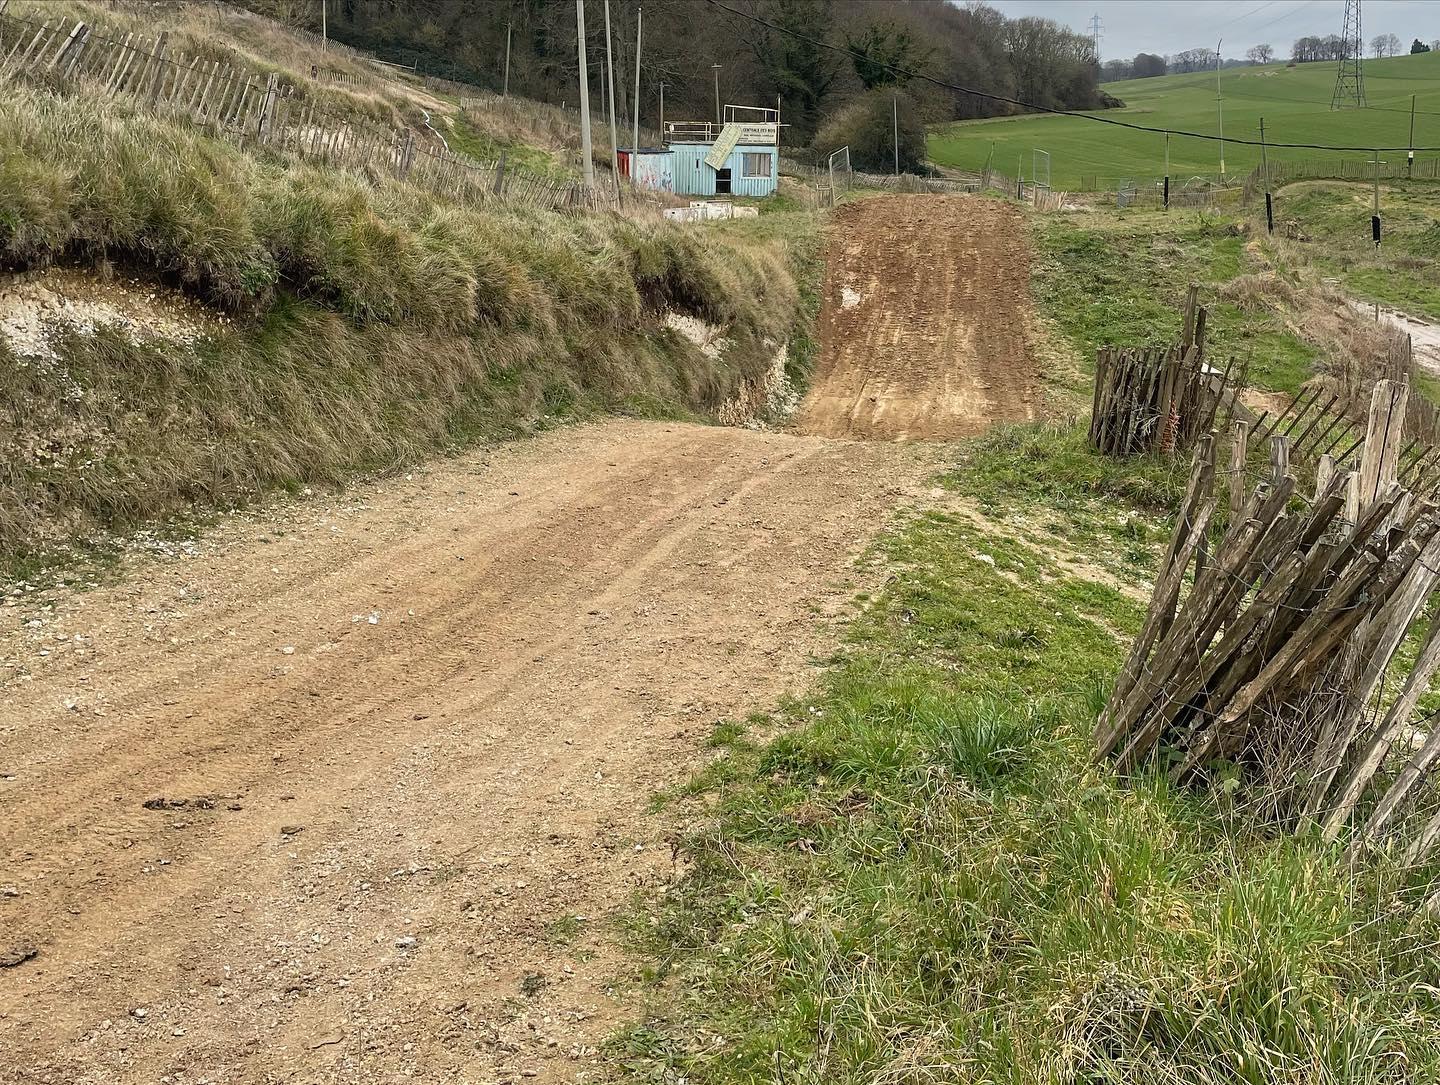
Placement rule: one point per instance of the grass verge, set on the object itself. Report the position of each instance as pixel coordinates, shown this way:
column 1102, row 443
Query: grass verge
column 1334, row 221
column 1120, row 278
column 923, row 878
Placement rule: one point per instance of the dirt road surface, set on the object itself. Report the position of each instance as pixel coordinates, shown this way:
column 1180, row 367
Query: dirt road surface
column 924, row 321
column 351, row 789
column 399, row 748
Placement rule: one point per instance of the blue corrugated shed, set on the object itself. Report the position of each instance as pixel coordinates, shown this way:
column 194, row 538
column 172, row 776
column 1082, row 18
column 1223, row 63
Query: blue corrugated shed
column 693, row 177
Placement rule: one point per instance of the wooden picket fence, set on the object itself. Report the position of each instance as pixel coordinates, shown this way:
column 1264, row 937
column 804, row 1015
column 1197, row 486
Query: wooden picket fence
column 1042, row 199
column 1274, row 663
column 1320, row 423
column 1162, row 399
column 255, row 109
column 911, row 182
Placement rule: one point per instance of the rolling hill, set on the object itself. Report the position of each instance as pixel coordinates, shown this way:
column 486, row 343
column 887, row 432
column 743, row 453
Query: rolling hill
column 1294, row 102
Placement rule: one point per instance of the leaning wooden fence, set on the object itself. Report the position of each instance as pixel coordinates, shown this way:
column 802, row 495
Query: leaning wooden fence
column 1273, row 665
column 1161, row 399
column 1329, row 419
column 255, row 109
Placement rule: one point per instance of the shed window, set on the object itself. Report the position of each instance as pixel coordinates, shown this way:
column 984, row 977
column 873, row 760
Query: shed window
column 754, row 164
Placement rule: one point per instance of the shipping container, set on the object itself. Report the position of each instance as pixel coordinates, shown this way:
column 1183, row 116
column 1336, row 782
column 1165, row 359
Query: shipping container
column 749, row 170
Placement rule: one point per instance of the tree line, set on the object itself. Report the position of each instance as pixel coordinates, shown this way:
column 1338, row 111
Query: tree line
column 690, row 45
column 1304, row 51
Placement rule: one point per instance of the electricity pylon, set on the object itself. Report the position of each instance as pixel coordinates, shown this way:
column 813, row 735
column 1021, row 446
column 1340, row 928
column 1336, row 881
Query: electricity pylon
column 1350, row 81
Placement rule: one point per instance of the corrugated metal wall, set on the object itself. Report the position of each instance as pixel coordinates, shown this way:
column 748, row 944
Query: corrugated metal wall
column 752, row 186
column 692, row 177
column 654, row 170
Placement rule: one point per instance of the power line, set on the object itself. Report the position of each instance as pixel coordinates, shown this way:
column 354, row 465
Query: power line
column 1241, row 18
column 1282, row 17
column 1006, row 99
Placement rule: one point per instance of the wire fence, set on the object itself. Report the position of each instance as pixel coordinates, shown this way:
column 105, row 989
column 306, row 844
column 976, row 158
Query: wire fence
column 255, row 109
column 1349, row 169
column 1041, row 197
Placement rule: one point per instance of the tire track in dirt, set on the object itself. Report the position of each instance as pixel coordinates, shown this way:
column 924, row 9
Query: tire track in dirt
column 924, row 322
column 471, row 776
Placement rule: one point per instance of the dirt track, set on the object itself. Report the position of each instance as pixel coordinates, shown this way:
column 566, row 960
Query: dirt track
column 397, row 747
column 556, row 633
column 924, row 322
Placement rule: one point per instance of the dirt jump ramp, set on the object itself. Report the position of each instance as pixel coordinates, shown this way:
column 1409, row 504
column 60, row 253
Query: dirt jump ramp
column 924, row 322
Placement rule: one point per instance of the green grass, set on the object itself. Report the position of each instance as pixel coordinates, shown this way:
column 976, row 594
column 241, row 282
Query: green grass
column 1295, row 103
column 1335, row 218
column 924, row 878
column 468, row 139
column 1121, row 278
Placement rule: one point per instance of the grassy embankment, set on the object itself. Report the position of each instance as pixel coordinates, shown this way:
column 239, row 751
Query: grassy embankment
column 534, row 136
column 915, row 873
column 374, row 324
column 1120, row 278
column 1295, row 103
column 1334, row 219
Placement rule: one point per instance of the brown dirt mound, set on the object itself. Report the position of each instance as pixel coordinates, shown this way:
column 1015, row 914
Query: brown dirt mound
column 924, row 323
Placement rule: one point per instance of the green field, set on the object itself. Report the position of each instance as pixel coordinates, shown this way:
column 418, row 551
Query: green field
column 1295, row 103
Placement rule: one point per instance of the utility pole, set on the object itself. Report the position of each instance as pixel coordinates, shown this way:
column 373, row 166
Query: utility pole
column 1166, row 195
column 1220, row 107
column 1264, row 163
column 662, row 110
column 324, row 29
column 1375, row 211
column 587, row 163
column 716, row 68
column 1410, row 159
column 895, row 119
column 635, row 137
column 506, row 92
column 614, row 136
column 1265, row 174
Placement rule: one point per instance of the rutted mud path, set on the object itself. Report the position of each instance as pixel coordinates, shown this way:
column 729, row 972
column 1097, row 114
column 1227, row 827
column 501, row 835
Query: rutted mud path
column 557, row 627
column 925, row 319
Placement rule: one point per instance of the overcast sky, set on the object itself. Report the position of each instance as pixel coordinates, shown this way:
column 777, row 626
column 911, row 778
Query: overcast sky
column 1168, row 26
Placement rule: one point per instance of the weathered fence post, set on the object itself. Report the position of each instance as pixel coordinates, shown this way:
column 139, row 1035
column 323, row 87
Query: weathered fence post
column 1379, row 459
column 1238, row 450
column 161, row 47
column 72, row 60
column 65, row 45
column 500, row 174
column 120, row 55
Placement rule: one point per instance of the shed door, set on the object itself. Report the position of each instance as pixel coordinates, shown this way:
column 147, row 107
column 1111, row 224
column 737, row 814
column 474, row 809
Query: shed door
column 722, row 182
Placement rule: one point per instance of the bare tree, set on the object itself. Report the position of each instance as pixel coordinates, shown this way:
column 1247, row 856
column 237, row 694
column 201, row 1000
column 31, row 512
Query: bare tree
column 1192, row 60
column 1260, row 54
